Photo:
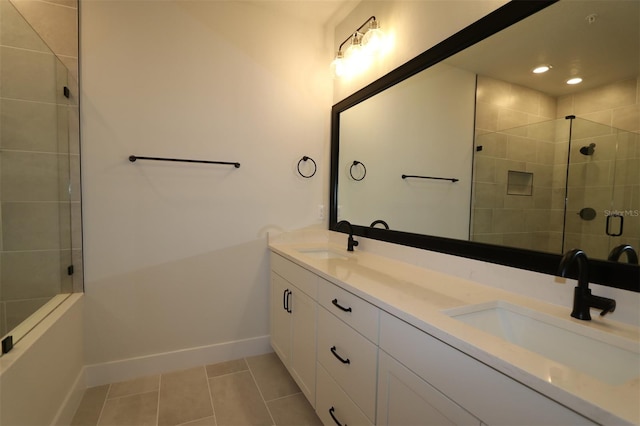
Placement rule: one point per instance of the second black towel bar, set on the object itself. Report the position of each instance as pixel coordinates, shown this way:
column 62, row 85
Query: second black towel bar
column 429, row 177
column 133, row 158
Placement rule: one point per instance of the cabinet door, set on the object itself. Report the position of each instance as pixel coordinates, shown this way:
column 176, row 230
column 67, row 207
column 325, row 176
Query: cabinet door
column 303, row 342
column 280, row 317
column 406, row 399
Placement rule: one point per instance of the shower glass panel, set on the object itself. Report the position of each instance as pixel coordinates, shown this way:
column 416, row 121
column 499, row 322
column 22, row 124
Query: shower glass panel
column 35, row 208
column 603, row 176
column 557, row 185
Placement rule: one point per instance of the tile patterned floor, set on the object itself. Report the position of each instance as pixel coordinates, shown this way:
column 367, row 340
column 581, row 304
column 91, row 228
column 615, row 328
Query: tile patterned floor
column 249, row 391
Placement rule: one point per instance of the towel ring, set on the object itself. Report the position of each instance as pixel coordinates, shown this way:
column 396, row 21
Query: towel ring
column 315, row 167
column 355, row 163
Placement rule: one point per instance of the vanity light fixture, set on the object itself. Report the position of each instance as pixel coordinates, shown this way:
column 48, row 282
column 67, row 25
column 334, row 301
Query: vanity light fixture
column 574, row 80
column 362, row 48
column 541, row 69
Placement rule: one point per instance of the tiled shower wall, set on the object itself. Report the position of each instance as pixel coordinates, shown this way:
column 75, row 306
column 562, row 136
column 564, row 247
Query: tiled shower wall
column 39, row 142
column 615, row 164
column 522, row 221
column 500, row 217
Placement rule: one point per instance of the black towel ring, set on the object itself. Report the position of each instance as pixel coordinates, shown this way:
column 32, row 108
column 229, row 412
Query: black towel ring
column 315, row 167
column 355, row 163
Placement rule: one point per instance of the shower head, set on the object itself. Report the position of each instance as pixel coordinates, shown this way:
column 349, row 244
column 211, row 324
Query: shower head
column 588, row 150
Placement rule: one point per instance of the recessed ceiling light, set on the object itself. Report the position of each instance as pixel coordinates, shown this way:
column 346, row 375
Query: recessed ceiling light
column 541, row 69
column 575, row 80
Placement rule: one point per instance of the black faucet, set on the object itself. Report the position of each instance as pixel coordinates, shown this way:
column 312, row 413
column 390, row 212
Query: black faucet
column 379, row 222
column 583, row 300
column 351, row 243
column 632, row 256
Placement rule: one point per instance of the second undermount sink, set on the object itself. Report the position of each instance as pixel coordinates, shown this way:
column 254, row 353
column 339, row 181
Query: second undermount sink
column 606, row 357
column 322, row 253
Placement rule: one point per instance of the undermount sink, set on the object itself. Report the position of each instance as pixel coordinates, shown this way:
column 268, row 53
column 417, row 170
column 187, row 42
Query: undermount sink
column 606, row 357
column 322, row 253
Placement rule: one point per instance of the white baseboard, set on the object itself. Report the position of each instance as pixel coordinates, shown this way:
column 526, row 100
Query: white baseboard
column 126, row 369
column 72, row 401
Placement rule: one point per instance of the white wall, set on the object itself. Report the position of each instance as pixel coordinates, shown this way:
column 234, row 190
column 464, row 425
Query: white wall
column 176, row 253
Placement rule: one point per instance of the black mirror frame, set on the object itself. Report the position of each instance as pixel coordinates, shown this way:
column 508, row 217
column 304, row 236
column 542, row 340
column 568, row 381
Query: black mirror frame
column 618, row 275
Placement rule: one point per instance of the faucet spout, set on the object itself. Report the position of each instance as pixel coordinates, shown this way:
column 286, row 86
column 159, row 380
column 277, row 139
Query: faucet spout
column 632, row 256
column 351, row 243
column 583, row 300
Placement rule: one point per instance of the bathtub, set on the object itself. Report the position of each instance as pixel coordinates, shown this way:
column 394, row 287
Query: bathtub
column 41, row 378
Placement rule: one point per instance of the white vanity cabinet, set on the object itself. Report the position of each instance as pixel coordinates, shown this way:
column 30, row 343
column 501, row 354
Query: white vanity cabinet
column 406, row 399
column 359, row 365
column 293, row 321
column 347, row 360
column 453, row 380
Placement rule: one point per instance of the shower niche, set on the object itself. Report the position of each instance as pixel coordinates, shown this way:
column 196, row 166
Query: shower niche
column 583, row 179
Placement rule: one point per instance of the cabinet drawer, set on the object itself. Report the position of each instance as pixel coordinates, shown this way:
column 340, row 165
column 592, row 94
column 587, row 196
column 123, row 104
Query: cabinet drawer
column 466, row 381
column 351, row 309
column 333, row 405
column 350, row 359
column 305, row 280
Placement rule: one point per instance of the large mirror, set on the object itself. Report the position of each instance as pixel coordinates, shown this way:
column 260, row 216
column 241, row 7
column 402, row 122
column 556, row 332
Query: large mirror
column 471, row 153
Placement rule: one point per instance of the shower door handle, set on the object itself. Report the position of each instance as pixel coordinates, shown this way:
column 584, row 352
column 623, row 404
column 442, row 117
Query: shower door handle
column 608, row 225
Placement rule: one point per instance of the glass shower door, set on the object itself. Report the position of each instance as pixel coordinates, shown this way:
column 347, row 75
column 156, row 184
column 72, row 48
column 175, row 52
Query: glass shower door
column 602, row 189
column 35, row 213
column 624, row 217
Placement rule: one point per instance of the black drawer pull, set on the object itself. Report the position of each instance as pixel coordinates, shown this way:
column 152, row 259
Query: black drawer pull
column 331, row 411
column 336, row 304
column 285, row 300
column 342, row 360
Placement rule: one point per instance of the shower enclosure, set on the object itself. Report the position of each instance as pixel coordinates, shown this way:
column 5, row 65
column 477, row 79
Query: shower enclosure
column 557, row 185
column 38, row 191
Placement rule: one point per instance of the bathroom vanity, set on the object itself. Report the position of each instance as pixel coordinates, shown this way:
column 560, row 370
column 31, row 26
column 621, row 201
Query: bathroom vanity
column 371, row 340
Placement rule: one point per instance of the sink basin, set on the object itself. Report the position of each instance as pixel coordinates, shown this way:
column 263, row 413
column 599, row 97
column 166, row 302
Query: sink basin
column 322, row 253
column 606, row 357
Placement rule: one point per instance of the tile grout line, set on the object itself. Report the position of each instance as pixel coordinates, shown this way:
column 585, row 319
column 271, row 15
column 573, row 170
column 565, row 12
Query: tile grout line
column 284, row 396
column 158, row 404
column 260, row 392
column 213, row 408
column 104, row 403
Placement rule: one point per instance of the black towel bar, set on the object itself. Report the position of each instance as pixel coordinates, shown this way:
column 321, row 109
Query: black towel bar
column 133, row 158
column 430, row 177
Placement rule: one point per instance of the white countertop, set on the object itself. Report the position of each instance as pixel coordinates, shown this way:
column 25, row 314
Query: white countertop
column 419, row 296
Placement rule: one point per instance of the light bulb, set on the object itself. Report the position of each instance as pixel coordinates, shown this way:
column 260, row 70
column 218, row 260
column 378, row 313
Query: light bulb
column 373, row 39
column 575, row 80
column 338, row 65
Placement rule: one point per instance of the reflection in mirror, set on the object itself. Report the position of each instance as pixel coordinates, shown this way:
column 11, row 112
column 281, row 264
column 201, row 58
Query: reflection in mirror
column 526, row 176
column 523, row 176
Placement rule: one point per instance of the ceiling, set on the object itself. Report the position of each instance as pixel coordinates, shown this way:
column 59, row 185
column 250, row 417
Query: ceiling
column 601, row 52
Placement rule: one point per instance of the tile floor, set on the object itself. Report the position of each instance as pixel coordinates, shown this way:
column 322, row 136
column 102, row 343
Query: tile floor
column 249, row 391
